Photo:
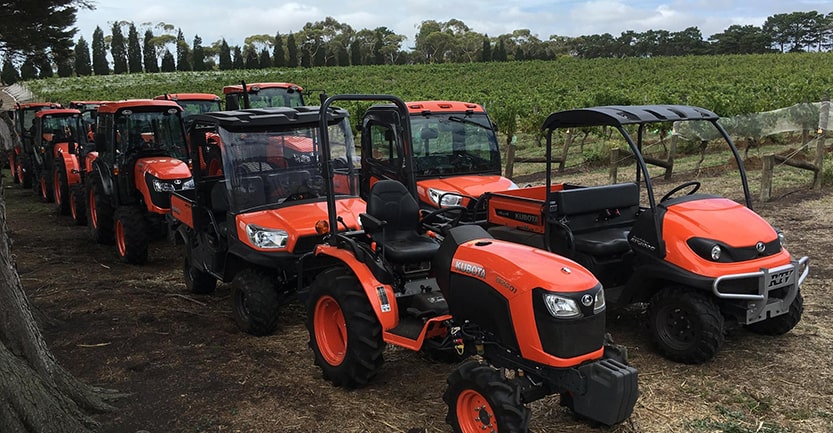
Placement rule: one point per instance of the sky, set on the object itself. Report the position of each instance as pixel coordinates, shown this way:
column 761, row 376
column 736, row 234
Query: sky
column 213, row 20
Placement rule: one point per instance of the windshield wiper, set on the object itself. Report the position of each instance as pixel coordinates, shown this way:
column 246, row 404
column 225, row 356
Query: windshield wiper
column 469, row 122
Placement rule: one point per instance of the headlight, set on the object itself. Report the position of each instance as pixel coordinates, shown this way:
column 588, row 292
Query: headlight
column 189, row 184
column 448, row 199
column 715, row 253
column 160, row 186
column 782, row 239
column 266, row 238
column 599, row 304
column 561, row 307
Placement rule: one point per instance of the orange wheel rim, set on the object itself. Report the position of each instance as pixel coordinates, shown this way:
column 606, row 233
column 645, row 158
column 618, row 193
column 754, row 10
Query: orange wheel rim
column 474, row 414
column 330, row 330
column 43, row 188
column 120, row 238
column 56, row 188
column 73, row 207
column 93, row 213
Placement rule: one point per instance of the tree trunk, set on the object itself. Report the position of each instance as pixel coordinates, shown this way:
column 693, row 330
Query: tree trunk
column 36, row 394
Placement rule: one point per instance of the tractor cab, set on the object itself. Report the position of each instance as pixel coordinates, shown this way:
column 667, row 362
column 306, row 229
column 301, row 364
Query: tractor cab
column 261, row 95
column 451, row 156
column 56, row 133
column 20, row 158
column 193, row 103
column 89, row 112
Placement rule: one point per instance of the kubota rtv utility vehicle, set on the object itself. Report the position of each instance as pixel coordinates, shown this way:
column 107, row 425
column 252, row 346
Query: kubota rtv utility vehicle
column 55, row 131
column 535, row 320
column 261, row 95
column 141, row 159
column 454, row 147
column 252, row 217
column 20, row 158
column 702, row 261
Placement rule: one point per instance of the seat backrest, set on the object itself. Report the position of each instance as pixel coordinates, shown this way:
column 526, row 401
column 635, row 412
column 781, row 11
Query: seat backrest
column 249, row 193
column 595, row 207
column 219, row 199
column 391, row 202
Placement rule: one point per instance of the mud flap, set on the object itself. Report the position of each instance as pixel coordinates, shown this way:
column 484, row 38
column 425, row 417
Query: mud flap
column 611, row 392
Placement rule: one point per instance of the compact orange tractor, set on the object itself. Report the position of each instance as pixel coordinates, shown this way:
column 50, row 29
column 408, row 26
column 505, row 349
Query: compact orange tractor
column 454, row 150
column 252, row 214
column 140, row 159
column 20, row 157
column 55, row 131
column 536, row 321
column 702, row 262
column 261, row 95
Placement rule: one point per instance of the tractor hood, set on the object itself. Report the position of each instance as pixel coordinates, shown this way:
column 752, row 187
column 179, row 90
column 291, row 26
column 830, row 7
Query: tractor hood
column 469, row 186
column 163, row 168
column 297, row 221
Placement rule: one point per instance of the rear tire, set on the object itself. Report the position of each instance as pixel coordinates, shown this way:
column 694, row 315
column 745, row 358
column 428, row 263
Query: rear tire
column 13, row 166
column 131, row 234
column 24, row 171
column 345, row 335
column 686, row 325
column 479, row 399
column 255, row 301
column 782, row 324
column 196, row 280
column 77, row 207
column 99, row 212
column 60, row 188
column 45, row 186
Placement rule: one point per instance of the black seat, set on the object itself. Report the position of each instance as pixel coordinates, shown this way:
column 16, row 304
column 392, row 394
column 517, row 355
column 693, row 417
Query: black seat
column 396, row 216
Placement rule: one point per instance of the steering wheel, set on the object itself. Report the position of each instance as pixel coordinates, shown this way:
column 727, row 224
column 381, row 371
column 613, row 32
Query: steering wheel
column 694, row 184
column 426, row 220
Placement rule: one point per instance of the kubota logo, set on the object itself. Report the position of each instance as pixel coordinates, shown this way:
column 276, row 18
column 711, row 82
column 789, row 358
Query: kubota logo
column 470, row 268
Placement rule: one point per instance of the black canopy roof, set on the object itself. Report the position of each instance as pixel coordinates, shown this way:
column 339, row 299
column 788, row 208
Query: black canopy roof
column 617, row 115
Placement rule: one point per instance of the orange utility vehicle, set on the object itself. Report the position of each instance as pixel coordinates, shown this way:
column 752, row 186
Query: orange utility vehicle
column 250, row 221
column 453, row 147
column 55, row 131
column 702, row 262
column 536, row 320
column 141, row 159
column 20, row 157
column 261, row 95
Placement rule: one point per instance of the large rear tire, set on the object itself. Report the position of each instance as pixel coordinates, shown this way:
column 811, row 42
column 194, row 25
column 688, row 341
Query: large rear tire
column 77, row 205
column 480, row 400
column 686, row 325
column 99, row 212
column 196, row 280
column 255, row 301
column 782, row 324
column 345, row 335
column 60, row 187
column 131, row 234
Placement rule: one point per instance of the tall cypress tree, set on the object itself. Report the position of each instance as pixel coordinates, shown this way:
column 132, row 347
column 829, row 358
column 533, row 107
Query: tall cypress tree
column 291, row 51
column 149, row 53
column 134, row 50
column 63, row 61
column 83, row 65
column 225, row 56
column 355, row 53
column 264, row 60
column 237, row 59
column 118, row 49
column 183, row 54
column 486, row 53
column 44, row 66
column 28, row 71
column 100, row 64
column 198, row 54
column 168, row 62
column 251, row 58
column 9, row 74
column 278, row 56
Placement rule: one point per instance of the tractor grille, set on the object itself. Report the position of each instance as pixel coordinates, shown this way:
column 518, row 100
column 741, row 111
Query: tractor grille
column 306, row 244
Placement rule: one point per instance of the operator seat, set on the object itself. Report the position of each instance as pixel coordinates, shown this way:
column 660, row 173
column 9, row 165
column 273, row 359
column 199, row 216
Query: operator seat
column 396, row 216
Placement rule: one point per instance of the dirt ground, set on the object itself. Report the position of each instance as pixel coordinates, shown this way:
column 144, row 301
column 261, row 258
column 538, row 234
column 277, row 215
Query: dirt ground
column 187, row 368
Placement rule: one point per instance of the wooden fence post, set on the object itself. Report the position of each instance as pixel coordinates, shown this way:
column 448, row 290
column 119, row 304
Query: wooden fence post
column 567, row 143
column 766, row 177
column 824, row 118
column 614, row 163
column 510, row 158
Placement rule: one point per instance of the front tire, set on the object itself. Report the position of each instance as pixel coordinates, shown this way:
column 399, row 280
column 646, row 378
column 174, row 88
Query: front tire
column 77, row 207
column 99, row 212
column 345, row 335
column 479, row 399
column 60, row 188
column 255, row 301
column 782, row 324
column 686, row 325
column 131, row 233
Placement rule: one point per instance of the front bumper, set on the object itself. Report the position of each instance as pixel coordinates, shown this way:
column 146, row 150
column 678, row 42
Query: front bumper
column 762, row 303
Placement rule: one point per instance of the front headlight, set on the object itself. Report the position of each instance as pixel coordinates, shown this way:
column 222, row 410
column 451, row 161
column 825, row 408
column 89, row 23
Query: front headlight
column 599, row 304
column 561, row 307
column 189, row 184
column 782, row 239
column 715, row 253
column 267, row 238
column 160, row 186
column 447, row 198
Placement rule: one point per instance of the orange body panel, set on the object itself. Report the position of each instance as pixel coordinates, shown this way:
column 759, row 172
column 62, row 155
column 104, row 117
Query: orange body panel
column 298, row 220
column 521, row 208
column 88, row 161
column 434, row 327
column 500, row 269
column 188, row 97
column 112, row 107
column 161, row 168
column 238, row 88
column 388, row 316
column 470, row 186
column 417, row 107
column 182, row 210
column 61, row 150
column 720, row 219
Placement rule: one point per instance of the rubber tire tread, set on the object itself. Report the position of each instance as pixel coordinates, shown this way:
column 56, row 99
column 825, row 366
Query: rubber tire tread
column 258, row 289
column 782, row 324
column 365, row 346
column 79, row 195
column 505, row 400
column 103, row 234
column 62, row 204
column 136, row 237
column 699, row 306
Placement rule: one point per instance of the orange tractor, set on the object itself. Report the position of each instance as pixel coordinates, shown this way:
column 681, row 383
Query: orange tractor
column 20, row 157
column 140, row 158
column 55, row 132
column 534, row 320
column 701, row 262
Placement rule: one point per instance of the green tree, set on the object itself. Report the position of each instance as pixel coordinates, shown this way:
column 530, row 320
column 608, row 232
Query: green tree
column 44, row 66
column 30, row 27
column 198, row 53
column 168, row 62
column 63, row 61
column 225, row 56
column 134, row 50
column 250, row 56
column 291, row 51
column 355, row 53
column 278, row 55
column 28, row 70
column 9, row 73
column 100, row 64
column 264, row 60
column 739, row 39
column 183, row 53
column 499, row 55
column 118, row 50
column 83, row 64
column 486, row 51
column 237, row 59
column 149, row 52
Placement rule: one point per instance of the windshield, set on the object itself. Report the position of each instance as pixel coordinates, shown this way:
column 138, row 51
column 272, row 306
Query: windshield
column 159, row 131
column 62, row 128
column 454, row 143
column 190, row 108
column 271, row 97
column 268, row 167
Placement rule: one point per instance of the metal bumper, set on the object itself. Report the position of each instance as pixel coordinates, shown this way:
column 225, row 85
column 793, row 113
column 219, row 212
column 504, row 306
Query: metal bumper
column 760, row 305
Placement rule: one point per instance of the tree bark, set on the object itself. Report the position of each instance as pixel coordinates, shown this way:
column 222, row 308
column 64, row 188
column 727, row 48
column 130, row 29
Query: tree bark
column 36, row 393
